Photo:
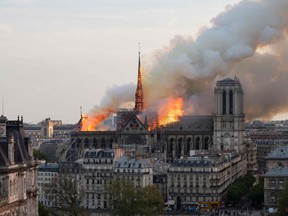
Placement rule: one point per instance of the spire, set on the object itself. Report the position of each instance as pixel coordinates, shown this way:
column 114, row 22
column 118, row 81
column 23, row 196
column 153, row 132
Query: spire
column 2, row 105
column 139, row 104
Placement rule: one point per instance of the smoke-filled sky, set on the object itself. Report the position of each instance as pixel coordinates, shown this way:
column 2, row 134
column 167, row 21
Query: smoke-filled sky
column 58, row 55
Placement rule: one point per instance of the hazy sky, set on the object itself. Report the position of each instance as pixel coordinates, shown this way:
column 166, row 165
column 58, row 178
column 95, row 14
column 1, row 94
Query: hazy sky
column 58, row 55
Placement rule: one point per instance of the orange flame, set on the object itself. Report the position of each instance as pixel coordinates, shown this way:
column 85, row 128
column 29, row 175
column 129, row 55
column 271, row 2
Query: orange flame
column 90, row 122
column 170, row 112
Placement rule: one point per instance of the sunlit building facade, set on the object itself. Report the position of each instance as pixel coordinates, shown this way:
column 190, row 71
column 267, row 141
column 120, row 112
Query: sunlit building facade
column 138, row 171
column 203, row 179
column 47, row 172
column 18, row 173
column 97, row 174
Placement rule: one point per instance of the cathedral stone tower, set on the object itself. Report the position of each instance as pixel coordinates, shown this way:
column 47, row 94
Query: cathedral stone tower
column 139, row 103
column 229, row 116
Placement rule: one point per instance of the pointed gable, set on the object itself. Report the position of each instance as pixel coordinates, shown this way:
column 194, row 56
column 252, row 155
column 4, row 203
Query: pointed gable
column 134, row 125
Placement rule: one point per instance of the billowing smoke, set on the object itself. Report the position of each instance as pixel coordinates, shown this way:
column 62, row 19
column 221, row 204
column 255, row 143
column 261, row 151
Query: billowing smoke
column 116, row 97
column 230, row 47
column 265, row 78
column 235, row 44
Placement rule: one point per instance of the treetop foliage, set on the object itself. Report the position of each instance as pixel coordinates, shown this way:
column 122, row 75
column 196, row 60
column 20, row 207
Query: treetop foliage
column 128, row 200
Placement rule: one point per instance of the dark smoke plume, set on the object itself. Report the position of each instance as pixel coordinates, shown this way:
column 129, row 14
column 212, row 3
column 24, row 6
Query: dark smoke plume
column 234, row 45
column 247, row 40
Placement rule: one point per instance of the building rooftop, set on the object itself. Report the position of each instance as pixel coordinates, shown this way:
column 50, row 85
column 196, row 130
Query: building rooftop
column 279, row 153
column 202, row 161
column 133, row 163
column 15, row 132
column 228, row 82
column 99, row 153
column 278, row 171
column 3, row 119
column 191, row 123
column 194, row 161
column 48, row 167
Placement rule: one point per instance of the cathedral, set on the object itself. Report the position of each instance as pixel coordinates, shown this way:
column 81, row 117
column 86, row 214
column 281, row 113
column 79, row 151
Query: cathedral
column 223, row 130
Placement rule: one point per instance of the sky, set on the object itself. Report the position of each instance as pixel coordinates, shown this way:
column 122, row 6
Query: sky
column 59, row 55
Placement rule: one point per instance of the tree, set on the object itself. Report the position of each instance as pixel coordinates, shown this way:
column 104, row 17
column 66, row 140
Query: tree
column 283, row 202
column 249, row 179
column 257, row 193
column 150, row 201
column 67, row 193
column 127, row 200
column 123, row 198
column 234, row 193
column 240, row 187
column 39, row 155
column 42, row 210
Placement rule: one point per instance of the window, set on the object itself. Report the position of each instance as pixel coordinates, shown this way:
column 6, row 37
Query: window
column 230, row 102
column 281, row 184
column 206, row 143
column 224, row 102
column 197, row 143
column 272, row 183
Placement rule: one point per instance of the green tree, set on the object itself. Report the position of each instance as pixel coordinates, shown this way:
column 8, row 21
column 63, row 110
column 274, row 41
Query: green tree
column 127, row 200
column 257, row 193
column 39, row 155
column 240, row 187
column 249, row 179
column 123, row 198
column 68, row 194
column 150, row 201
column 283, row 202
column 234, row 193
column 42, row 210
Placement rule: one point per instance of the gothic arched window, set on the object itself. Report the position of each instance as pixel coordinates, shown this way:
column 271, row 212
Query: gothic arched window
column 179, row 145
column 171, row 144
column 206, row 143
column 231, row 102
column 188, row 145
column 197, row 143
column 224, row 102
column 103, row 143
column 95, row 142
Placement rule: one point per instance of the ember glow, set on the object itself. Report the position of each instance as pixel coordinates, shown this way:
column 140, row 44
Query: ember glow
column 90, row 122
column 171, row 111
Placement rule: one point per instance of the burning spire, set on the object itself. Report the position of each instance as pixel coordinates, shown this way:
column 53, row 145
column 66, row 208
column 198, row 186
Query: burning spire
column 139, row 104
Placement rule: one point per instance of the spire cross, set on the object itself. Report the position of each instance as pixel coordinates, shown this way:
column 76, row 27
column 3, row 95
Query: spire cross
column 139, row 47
column 139, row 93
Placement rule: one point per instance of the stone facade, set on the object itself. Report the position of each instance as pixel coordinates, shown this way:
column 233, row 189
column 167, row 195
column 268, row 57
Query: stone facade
column 47, row 128
column 251, row 155
column 97, row 174
column 276, row 175
column 46, row 173
column 138, row 171
column 229, row 116
column 203, row 179
column 224, row 130
column 18, row 173
column 274, row 182
column 277, row 158
column 266, row 143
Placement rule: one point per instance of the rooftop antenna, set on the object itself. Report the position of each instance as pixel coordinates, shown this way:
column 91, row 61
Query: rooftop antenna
column 2, row 105
column 139, row 44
